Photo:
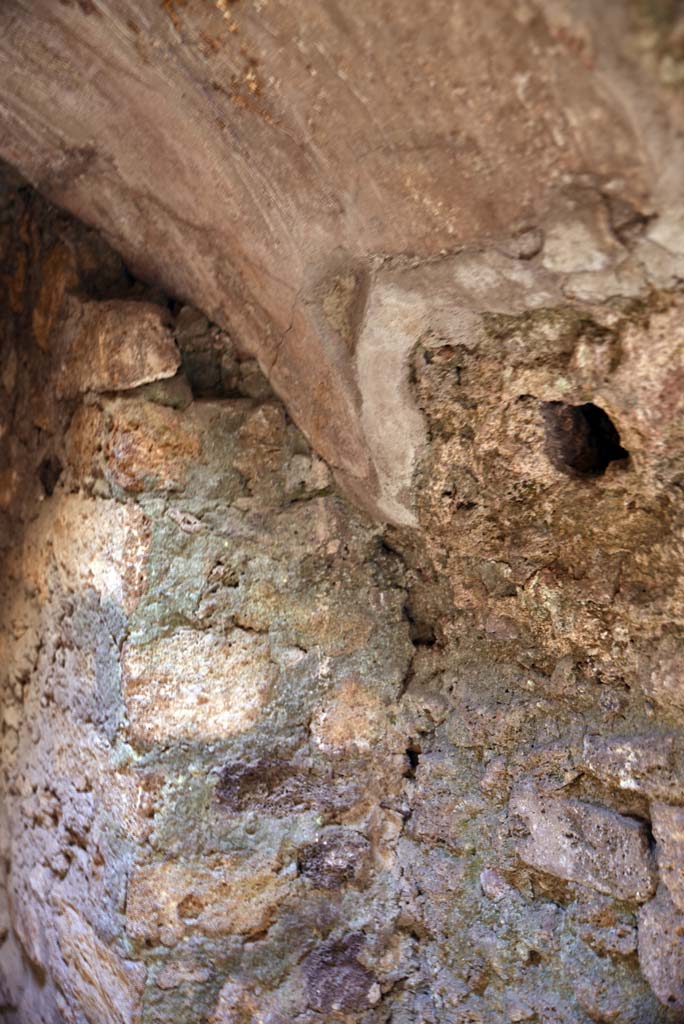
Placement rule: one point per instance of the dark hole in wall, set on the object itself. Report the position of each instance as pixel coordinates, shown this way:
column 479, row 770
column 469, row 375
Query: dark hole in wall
column 581, row 440
column 413, row 752
column 49, row 473
column 421, row 632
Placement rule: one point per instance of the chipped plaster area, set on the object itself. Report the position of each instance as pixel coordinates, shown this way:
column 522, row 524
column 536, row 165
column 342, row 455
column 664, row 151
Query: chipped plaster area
column 435, row 304
column 588, row 252
column 392, row 425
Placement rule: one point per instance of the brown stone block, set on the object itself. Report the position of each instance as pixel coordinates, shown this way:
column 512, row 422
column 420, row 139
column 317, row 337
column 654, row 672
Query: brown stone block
column 661, row 949
column 668, row 829
column 104, row 545
column 149, row 446
column 641, row 764
column 196, row 685
column 58, row 275
column 115, row 346
column 354, row 719
column 583, row 843
column 82, row 443
column 91, row 544
column 220, row 897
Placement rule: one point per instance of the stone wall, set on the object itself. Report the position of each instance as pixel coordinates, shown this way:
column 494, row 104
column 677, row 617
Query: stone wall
column 264, row 759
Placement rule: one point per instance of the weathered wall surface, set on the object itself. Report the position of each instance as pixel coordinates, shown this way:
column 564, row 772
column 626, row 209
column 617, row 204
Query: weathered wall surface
column 261, row 158
column 263, row 759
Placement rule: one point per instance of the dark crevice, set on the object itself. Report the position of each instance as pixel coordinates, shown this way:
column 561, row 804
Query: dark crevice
column 422, row 633
column 49, row 473
column 581, row 440
column 413, row 752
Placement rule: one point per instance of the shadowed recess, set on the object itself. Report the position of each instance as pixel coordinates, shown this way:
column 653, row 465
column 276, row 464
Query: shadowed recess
column 581, row 440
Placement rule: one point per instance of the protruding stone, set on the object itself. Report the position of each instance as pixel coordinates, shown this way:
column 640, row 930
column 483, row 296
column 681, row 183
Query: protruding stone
column 661, row 949
column 259, row 440
column 336, row 981
column 578, row 236
column 115, row 346
column 220, row 897
column 668, row 829
column 101, row 546
column 582, row 843
column 353, row 719
column 195, row 685
column 89, row 544
column 665, row 682
column 305, row 475
column 336, row 858
column 149, row 446
column 640, row 764
column 494, row 885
